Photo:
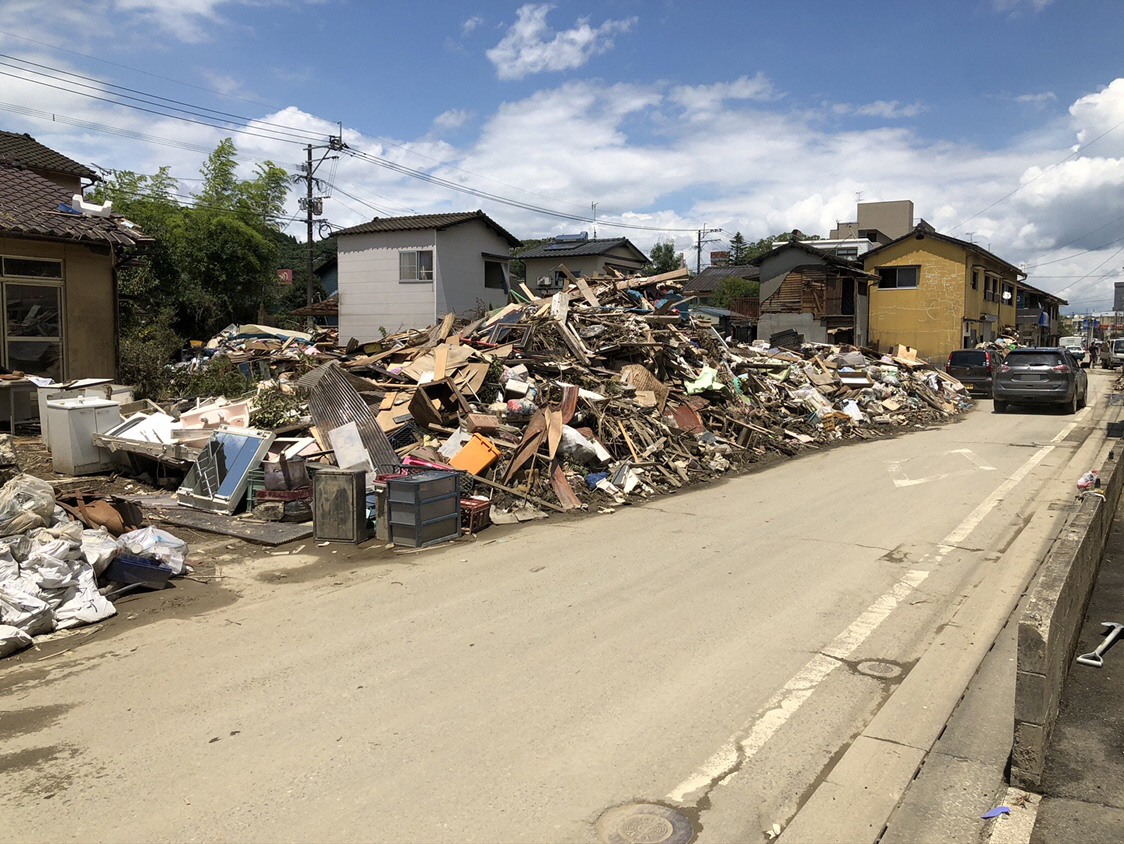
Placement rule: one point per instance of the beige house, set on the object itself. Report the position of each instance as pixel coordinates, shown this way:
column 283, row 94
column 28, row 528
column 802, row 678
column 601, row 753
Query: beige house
column 58, row 266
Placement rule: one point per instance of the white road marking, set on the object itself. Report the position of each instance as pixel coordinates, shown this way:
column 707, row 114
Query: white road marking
column 901, row 479
column 988, row 504
column 724, row 764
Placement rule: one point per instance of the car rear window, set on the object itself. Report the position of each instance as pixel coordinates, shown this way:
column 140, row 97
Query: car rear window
column 1118, row 346
column 969, row 357
column 1017, row 358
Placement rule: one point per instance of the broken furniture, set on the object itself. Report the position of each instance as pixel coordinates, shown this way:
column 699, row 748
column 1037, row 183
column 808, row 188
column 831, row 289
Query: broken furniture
column 218, row 480
column 339, row 505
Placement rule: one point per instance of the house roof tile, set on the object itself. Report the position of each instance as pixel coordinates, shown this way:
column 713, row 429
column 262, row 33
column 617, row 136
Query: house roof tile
column 429, row 221
column 25, row 150
column 573, row 248
column 708, row 280
column 30, row 207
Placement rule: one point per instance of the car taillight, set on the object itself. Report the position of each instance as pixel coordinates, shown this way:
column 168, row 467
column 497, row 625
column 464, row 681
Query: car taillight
column 1004, row 368
column 987, row 358
column 948, row 366
column 1061, row 367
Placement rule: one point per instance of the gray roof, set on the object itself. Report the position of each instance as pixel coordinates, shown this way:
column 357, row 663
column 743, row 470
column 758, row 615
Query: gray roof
column 416, row 222
column 25, row 150
column 34, row 206
column 708, row 280
column 573, row 248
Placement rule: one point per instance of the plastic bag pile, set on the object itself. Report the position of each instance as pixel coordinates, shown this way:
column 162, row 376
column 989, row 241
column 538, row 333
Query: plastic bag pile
column 49, row 564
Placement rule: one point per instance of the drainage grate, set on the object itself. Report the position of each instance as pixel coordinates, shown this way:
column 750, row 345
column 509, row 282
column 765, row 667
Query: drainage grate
column 644, row 823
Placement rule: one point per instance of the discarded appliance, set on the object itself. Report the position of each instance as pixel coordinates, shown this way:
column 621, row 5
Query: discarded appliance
column 339, row 505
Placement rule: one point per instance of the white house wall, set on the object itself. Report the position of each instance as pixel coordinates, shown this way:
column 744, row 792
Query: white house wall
column 460, row 268
column 371, row 296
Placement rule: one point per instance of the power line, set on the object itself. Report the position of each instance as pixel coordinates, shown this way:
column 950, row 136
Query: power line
column 212, row 125
column 1049, row 169
column 135, row 69
column 514, row 203
column 147, row 98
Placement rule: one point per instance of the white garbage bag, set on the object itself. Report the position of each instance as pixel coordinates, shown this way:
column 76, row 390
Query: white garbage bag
column 85, row 605
column 98, row 548
column 30, row 614
column 9, row 565
column 26, row 502
column 12, row 639
column 155, row 544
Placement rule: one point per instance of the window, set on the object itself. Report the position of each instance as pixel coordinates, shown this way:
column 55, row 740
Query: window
column 415, row 266
column 494, row 276
column 1008, row 294
column 34, row 338
column 898, row 278
column 975, row 279
column 32, row 268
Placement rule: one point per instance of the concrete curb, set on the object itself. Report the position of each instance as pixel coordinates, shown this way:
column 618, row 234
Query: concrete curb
column 858, row 796
column 1049, row 626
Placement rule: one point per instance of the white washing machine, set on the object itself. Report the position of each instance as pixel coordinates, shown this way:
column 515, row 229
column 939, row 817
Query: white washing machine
column 73, row 423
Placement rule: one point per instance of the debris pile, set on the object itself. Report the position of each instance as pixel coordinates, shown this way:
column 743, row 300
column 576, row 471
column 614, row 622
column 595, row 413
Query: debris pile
column 54, row 556
column 606, row 392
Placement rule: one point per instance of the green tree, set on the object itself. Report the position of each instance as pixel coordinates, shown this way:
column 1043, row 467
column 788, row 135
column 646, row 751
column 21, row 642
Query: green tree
column 738, row 248
column 733, row 288
column 212, row 262
column 664, row 259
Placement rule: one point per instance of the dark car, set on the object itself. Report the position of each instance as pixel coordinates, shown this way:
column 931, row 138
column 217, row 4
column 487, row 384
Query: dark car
column 1040, row 376
column 974, row 368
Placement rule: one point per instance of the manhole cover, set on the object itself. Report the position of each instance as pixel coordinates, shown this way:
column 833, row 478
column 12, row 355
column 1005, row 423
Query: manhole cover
column 879, row 669
column 644, row 823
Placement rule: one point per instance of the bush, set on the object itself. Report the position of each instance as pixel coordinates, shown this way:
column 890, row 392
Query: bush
column 216, row 377
column 145, row 352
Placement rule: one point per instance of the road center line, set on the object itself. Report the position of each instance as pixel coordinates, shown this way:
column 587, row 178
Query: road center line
column 724, row 764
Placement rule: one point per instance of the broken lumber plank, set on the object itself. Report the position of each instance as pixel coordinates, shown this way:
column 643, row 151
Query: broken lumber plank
column 562, row 488
column 517, row 492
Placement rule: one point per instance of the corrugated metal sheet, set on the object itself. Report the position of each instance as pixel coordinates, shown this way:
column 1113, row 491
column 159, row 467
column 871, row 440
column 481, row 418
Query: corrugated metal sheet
column 333, row 402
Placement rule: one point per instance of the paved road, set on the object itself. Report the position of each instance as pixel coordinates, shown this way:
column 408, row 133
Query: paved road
column 516, row 690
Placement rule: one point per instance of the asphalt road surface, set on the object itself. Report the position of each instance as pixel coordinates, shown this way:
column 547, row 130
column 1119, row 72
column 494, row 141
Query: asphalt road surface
column 712, row 651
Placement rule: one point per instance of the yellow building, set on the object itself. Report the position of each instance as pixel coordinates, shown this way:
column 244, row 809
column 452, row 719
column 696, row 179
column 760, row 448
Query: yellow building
column 937, row 294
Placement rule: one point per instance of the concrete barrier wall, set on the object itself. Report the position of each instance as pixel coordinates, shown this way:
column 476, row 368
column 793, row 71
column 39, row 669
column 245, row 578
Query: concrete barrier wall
column 1049, row 626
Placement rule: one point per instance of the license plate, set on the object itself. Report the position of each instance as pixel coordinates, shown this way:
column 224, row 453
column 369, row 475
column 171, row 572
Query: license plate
column 1030, row 376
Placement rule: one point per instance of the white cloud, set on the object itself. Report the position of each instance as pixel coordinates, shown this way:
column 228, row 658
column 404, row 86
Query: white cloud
column 454, row 118
column 702, row 102
column 1037, row 100
column 1015, row 6
column 889, row 110
column 531, row 46
column 469, row 25
column 187, row 20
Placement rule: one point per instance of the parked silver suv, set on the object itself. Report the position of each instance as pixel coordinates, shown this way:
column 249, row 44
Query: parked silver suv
column 1040, row 376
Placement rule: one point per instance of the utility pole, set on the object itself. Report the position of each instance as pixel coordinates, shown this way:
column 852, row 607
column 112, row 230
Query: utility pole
column 699, row 246
column 314, row 207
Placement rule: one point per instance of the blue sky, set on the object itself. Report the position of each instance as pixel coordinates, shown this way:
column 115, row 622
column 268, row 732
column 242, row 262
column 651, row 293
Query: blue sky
column 1003, row 120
